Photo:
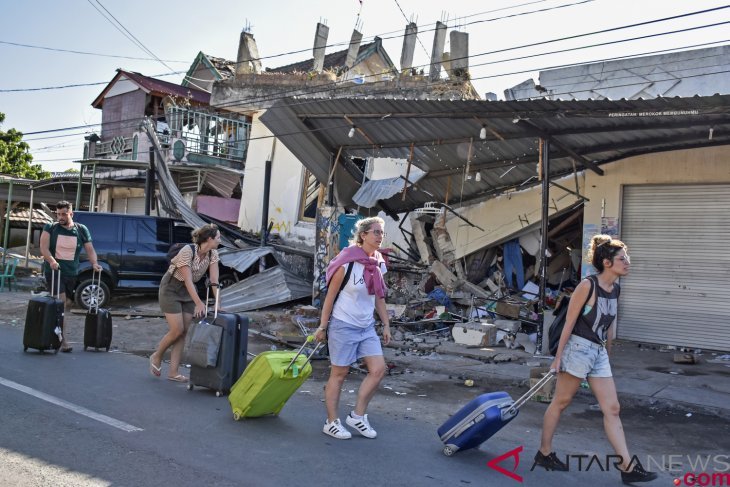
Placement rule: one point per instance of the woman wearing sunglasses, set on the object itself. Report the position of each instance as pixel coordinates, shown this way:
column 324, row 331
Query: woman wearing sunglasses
column 583, row 352
column 348, row 317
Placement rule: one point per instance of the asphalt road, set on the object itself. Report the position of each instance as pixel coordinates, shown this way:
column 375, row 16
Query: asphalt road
column 100, row 419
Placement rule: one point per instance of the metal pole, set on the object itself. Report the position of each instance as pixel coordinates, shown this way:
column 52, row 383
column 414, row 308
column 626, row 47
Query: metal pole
column 6, row 233
column 79, row 188
column 265, row 209
column 30, row 229
column 92, row 196
column 149, row 183
column 545, row 172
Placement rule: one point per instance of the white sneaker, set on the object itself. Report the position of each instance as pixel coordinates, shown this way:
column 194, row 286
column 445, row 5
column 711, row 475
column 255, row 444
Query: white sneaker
column 336, row 430
column 362, row 426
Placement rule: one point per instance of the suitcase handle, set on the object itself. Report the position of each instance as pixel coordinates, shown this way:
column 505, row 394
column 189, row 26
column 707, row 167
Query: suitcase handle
column 217, row 301
column 310, row 338
column 527, row 395
column 95, row 307
column 57, row 295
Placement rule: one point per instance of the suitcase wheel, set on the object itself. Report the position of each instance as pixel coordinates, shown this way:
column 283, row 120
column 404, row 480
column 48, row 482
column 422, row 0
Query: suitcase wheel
column 107, row 349
column 85, row 347
column 190, row 386
column 236, row 415
column 449, row 450
column 25, row 349
column 218, row 393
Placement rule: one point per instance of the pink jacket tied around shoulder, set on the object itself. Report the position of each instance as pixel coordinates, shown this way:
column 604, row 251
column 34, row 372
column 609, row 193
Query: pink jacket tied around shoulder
column 373, row 277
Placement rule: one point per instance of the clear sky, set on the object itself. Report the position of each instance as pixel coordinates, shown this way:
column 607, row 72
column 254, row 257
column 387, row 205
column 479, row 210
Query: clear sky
column 176, row 31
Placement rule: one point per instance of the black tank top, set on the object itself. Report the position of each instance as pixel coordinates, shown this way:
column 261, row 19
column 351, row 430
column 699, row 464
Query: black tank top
column 594, row 325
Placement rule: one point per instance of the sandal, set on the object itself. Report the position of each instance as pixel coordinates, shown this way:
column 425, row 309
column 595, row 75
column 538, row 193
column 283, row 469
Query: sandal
column 178, row 378
column 155, row 370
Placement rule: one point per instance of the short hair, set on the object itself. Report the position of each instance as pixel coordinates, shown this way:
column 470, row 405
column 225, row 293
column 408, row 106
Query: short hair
column 603, row 247
column 363, row 226
column 64, row 205
column 200, row 235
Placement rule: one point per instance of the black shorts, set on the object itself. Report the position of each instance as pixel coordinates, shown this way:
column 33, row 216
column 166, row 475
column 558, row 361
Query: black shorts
column 67, row 284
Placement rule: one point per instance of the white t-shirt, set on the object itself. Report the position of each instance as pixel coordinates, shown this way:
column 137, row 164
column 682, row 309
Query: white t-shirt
column 354, row 304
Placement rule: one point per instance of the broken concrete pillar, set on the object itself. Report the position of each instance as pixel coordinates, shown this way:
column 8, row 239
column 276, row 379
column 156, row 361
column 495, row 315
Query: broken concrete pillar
column 459, row 54
column 439, row 40
column 320, row 42
column 472, row 289
column 247, row 60
column 409, row 45
column 418, row 228
column 445, row 250
column 354, row 49
column 447, row 278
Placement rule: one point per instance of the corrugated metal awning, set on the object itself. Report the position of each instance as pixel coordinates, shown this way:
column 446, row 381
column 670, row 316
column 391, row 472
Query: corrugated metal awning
column 443, row 137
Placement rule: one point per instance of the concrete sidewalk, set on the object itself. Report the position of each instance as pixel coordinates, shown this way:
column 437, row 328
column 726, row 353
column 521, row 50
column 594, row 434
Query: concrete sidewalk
column 644, row 374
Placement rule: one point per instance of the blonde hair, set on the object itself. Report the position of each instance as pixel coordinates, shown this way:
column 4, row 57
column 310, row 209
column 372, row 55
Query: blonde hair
column 603, row 247
column 364, row 226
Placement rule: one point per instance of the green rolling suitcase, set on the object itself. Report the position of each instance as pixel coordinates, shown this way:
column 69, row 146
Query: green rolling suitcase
column 269, row 381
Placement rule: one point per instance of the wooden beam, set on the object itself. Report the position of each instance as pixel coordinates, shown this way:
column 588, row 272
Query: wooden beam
column 359, row 130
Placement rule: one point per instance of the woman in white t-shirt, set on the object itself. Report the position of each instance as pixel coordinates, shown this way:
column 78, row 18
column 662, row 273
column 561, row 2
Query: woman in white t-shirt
column 348, row 312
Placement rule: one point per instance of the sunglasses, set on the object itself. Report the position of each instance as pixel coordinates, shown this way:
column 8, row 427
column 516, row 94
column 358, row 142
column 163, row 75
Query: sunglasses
column 377, row 233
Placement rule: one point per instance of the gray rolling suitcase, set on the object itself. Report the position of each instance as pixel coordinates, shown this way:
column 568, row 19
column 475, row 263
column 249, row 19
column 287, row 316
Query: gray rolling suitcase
column 232, row 356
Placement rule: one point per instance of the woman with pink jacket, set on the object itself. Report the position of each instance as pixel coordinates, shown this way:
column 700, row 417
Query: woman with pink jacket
column 348, row 325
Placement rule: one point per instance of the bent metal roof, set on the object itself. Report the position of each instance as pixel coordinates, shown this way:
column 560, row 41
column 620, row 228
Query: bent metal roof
column 442, row 138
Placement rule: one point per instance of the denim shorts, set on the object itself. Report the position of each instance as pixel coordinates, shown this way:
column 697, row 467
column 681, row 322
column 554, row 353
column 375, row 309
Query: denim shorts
column 583, row 358
column 347, row 343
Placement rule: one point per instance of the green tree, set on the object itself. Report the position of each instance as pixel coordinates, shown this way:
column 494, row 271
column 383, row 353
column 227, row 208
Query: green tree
column 15, row 159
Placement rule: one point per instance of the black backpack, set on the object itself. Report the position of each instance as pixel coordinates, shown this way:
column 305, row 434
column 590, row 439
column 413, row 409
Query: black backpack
column 561, row 312
column 175, row 249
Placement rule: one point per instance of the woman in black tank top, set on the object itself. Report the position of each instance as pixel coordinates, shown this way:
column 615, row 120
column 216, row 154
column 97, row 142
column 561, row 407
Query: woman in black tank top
column 583, row 354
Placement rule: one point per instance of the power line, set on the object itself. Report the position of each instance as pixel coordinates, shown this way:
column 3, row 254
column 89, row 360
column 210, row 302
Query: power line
column 300, row 102
column 425, row 65
column 86, row 53
column 77, row 85
column 339, row 84
column 282, row 94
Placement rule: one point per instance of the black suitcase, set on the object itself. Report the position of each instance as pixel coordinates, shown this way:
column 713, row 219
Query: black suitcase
column 232, row 355
column 98, row 323
column 43, row 321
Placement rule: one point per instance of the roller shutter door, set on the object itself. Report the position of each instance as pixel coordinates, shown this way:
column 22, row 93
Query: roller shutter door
column 678, row 291
column 129, row 206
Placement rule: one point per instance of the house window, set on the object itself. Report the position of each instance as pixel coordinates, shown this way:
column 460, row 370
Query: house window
column 308, row 200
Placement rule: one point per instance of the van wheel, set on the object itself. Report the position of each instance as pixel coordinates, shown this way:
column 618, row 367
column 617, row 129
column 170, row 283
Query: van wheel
column 227, row 280
column 86, row 294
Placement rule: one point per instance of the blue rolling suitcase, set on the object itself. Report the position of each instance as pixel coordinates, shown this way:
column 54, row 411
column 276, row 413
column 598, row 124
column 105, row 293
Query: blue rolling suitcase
column 482, row 417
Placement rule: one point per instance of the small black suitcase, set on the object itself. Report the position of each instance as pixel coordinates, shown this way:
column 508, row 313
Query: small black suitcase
column 232, row 355
column 98, row 323
column 44, row 320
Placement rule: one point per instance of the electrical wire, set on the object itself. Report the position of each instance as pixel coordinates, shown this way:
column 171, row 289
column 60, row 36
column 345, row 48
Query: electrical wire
column 545, row 68
column 282, row 94
column 86, row 53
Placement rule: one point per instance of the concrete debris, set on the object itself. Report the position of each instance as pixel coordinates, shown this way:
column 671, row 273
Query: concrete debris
column 685, row 358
